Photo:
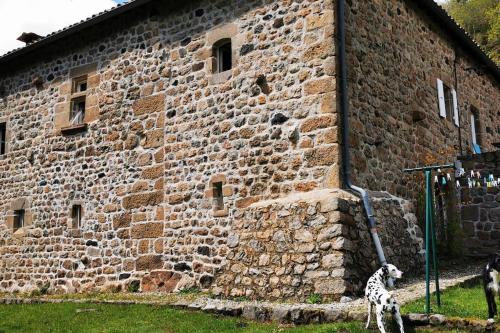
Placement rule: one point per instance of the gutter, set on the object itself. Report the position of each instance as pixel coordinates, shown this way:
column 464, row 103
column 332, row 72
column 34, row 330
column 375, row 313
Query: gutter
column 344, row 107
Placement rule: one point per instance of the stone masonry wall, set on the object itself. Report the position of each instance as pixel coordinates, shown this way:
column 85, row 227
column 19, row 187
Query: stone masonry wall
column 480, row 210
column 396, row 52
column 163, row 130
column 315, row 243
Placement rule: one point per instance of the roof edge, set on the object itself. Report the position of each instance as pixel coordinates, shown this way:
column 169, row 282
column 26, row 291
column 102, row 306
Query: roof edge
column 77, row 27
column 435, row 10
column 457, row 32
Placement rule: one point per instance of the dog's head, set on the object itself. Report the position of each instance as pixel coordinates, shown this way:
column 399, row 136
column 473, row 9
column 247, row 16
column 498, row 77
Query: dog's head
column 391, row 271
column 495, row 262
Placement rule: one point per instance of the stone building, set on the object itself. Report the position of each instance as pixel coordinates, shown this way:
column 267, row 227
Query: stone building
column 163, row 145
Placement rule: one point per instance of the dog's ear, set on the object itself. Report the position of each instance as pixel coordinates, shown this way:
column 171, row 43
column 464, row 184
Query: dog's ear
column 385, row 270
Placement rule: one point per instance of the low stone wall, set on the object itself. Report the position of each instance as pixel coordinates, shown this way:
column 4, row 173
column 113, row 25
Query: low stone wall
column 315, row 243
column 399, row 232
column 480, row 211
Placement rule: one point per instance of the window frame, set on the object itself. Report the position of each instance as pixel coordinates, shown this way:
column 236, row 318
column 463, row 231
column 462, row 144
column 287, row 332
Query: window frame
column 475, row 126
column 76, row 216
column 77, row 82
column 222, row 49
column 218, row 196
column 448, row 101
column 19, row 219
column 3, row 138
column 73, row 113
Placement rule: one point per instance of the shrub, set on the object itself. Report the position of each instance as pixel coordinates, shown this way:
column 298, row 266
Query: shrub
column 134, row 286
column 314, row 299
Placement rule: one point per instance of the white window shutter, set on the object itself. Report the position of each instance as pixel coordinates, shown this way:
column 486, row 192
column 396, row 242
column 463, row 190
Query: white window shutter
column 473, row 128
column 442, row 104
column 455, row 108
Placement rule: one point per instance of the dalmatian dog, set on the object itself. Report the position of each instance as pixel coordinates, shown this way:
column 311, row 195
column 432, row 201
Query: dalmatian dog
column 383, row 300
column 491, row 284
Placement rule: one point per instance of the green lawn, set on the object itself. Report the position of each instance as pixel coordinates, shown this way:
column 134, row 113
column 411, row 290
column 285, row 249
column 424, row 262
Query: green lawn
column 69, row 317
column 455, row 302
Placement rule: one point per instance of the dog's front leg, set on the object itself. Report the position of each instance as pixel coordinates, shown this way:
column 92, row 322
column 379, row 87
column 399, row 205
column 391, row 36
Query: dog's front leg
column 397, row 316
column 380, row 318
column 490, row 299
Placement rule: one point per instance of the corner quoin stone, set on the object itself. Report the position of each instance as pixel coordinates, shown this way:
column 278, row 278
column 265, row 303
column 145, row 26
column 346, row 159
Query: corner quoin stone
column 143, row 200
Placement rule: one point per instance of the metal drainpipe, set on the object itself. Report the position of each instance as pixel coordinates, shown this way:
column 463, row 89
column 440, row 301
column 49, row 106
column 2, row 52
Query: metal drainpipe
column 344, row 107
column 455, row 62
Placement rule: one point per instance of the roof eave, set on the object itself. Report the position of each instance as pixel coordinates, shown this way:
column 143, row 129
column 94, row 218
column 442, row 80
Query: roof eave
column 460, row 34
column 73, row 29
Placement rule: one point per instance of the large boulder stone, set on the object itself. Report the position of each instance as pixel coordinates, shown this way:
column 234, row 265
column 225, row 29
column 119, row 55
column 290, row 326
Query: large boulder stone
column 148, row 262
column 160, row 281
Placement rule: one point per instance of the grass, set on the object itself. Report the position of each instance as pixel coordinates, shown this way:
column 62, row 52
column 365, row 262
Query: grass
column 98, row 318
column 463, row 302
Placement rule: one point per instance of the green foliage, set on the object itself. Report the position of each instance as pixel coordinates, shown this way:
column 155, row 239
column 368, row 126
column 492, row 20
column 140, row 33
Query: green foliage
column 134, row 286
column 314, row 299
column 494, row 32
column 481, row 19
column 43, row 290
column 187, row 291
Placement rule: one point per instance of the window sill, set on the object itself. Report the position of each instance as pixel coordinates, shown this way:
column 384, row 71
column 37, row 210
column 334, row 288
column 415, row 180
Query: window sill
column 218, row 78
column 19, row 233
column 75, row 233
column 74, row 129
column 221, row 213
column 79, row 94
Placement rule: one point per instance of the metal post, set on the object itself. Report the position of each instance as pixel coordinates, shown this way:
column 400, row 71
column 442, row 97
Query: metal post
column 428, row 191
column 435, row 257
column 430, row 232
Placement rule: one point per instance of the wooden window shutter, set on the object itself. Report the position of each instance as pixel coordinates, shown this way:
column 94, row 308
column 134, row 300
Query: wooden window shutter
column 455, row 108
column 442, row 104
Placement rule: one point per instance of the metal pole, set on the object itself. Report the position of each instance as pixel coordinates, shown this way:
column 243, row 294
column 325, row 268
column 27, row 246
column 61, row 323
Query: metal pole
column 434, row 250
column 428, row 189
column 431, row 167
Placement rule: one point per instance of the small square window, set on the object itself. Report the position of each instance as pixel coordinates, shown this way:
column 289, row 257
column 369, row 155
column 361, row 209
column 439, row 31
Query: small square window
column 18, row 219
column 218, row 197
column 77, row 114
column 80, row 84
column 76, row 216
column 223, row 55
column 3, row 138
